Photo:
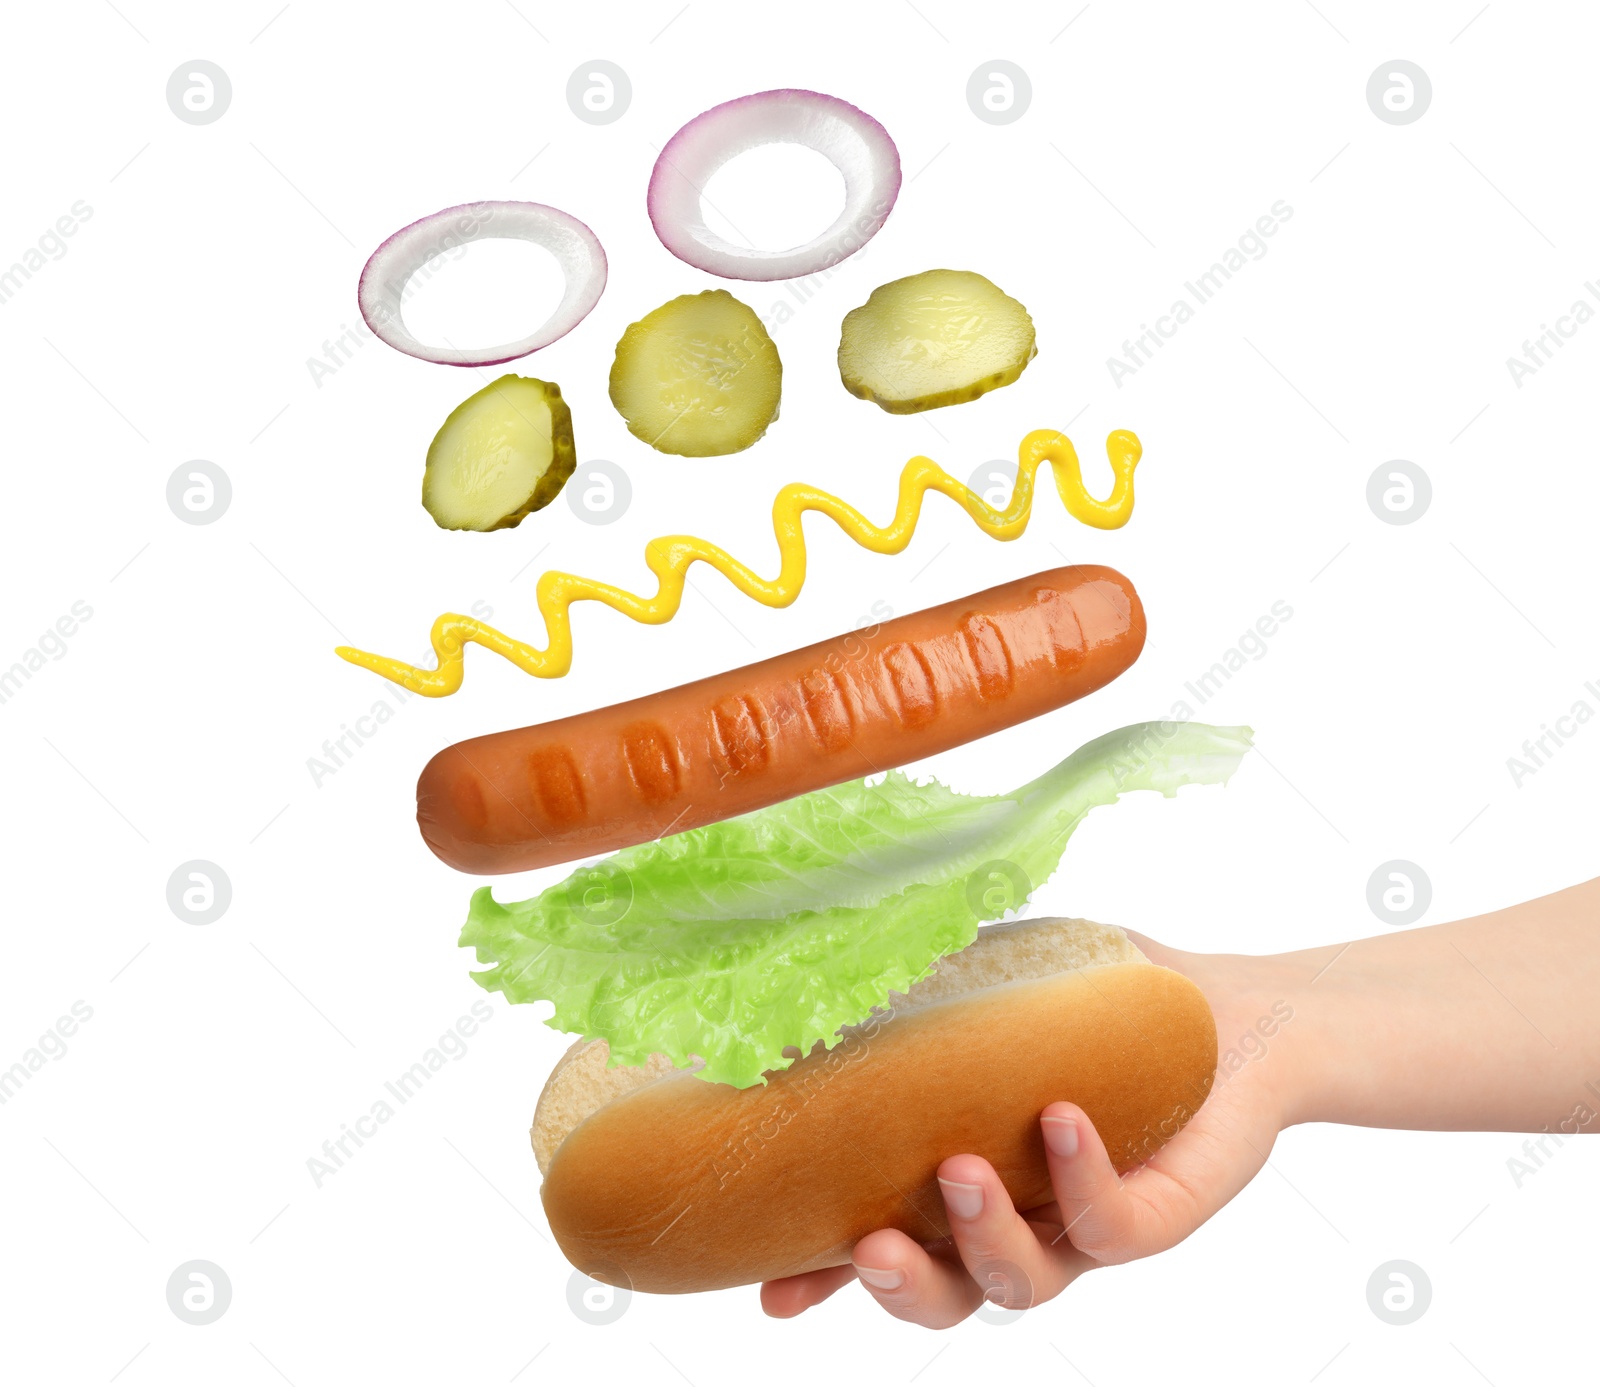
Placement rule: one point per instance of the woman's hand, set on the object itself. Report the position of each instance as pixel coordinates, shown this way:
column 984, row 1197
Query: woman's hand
column 1427, row 1029
column 1017, row 1260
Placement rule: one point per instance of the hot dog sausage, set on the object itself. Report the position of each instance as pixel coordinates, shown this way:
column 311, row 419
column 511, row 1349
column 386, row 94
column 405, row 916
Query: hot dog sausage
column 834, row 711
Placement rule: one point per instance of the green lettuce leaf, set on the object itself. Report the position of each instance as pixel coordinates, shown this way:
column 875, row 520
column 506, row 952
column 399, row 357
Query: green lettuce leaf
column 734, row 941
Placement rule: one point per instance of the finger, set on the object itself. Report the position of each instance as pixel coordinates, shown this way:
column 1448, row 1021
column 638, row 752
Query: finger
column 1000, row 1249
column 911, row 1283
column 792, row 1295
column 1100, row 1215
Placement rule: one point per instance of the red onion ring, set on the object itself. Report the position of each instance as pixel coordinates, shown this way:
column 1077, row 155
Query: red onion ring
column 848, row 138
column 389, row 270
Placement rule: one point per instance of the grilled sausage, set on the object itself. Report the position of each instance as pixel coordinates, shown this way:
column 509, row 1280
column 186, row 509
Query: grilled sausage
column 738, row 741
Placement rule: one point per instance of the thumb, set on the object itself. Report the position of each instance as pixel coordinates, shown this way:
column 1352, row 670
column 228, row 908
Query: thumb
column 1103, row 1215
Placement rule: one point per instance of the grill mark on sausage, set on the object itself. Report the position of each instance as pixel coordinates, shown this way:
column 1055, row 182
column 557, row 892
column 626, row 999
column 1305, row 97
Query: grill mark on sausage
column 1062, row 629
column 558, row 786
column 990, row 656
column 915, row 697
column 739, row 734
column 652, row 762
column 827, row 710
column 466, row 798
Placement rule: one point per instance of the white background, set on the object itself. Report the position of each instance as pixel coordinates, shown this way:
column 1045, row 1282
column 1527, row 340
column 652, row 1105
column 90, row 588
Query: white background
column 178, row 723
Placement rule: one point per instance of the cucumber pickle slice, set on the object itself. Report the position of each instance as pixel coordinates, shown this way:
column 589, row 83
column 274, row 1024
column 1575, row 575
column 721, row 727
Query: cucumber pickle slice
column 942, row 337
column 698, row 377
column 501, row 455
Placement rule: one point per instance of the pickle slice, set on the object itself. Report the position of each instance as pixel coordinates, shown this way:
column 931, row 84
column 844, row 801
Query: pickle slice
column 942, row 337
column 698, row 377
column 501, row 455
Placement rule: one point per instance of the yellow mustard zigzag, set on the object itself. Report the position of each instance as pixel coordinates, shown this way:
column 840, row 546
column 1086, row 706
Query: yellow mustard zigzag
column 670, row 556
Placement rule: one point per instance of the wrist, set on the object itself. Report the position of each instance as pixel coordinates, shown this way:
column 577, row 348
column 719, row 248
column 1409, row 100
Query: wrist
column 1333, row 1050
column 1261, row 1022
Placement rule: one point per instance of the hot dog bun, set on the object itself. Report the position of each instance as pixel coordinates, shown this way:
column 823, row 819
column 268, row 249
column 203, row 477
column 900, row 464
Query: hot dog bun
column 659, row 1181
column 844, row 708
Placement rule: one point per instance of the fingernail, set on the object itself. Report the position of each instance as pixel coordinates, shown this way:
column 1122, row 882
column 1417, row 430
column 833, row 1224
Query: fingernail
column 964, row 1201
column 1060, row 1135
column 883, row 1280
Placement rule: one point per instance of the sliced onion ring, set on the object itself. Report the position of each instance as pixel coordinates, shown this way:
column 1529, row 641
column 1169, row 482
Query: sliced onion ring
column 848, row 138
column 389, row 270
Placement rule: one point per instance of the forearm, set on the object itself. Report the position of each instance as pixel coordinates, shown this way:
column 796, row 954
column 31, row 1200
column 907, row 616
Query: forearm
column 1491, row 1023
